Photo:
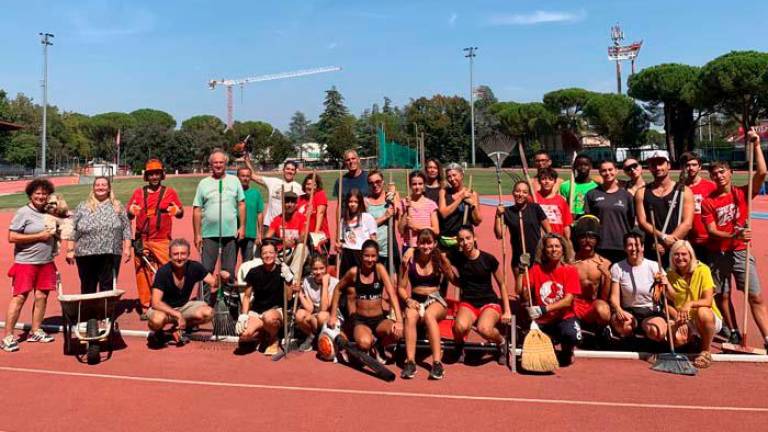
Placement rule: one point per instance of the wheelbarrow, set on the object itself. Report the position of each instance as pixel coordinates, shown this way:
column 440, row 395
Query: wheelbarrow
column 93, row 313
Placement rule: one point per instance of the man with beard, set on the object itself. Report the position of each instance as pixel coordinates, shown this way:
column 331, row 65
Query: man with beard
column 584, row 183
column 153, row 206
column 672, row 206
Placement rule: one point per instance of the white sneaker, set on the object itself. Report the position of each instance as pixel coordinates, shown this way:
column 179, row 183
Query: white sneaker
column 9, row 344
column 40, row 336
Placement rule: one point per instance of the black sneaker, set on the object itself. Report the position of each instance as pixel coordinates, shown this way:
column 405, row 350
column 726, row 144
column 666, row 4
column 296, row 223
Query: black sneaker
column 735, row 337
column 306, row 346
column 156, row 339
column 725, row 333
column 409, row 370
column 437, row 372
column 502, row 359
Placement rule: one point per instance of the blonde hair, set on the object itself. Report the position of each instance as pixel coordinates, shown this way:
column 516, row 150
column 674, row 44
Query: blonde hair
column 92, row 202
column 567, row 248
column 682, row 244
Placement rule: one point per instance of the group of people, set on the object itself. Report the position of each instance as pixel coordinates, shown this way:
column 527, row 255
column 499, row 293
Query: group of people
column 582, row 252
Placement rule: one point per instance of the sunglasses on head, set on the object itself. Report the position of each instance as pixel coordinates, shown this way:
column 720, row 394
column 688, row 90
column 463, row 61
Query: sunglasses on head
column 631, row 166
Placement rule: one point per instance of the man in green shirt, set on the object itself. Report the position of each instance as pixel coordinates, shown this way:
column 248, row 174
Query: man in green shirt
column 254, row 215
column 218, row 215
column 582, row 167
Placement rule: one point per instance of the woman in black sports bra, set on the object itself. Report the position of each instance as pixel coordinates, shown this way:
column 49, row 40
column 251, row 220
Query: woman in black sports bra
column 364, row 287
column 423, row 270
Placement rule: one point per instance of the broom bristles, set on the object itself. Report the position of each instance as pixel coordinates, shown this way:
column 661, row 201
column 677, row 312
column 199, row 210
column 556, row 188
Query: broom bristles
column 673, row 363
column 538, row 352
column 223, row 324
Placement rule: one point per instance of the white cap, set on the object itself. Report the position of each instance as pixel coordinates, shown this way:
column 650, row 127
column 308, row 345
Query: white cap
column 658, row 154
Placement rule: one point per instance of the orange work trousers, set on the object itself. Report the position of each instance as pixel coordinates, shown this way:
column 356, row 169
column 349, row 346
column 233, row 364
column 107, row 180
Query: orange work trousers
column 158, row 256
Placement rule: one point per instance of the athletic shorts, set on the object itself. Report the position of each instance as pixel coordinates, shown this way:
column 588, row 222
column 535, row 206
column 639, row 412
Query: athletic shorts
column 260, row 315
column 370, row 322
column 427, row 299
column 188, row 310
column 695, row 331
column 566, row 332
column 27, row 277
column 478, row 311
column 582, row 307
column 643, row 313
column 734, row 262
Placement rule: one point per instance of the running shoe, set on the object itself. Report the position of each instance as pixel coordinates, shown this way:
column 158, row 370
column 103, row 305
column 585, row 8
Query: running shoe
column 735, row 337
column 437, row 372
column 40, row 336
column 9, row 344
column 502, row 359
column 272, row 349
column 725, row 333
column 179, row 338
column 156, row 339
column 306, row 346
column 409, row 370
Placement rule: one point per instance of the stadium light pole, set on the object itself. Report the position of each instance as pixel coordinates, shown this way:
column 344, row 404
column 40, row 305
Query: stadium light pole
column 46, row 42
column 471, row 56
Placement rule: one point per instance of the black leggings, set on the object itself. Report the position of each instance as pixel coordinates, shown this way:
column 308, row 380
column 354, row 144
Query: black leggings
column 95, row 272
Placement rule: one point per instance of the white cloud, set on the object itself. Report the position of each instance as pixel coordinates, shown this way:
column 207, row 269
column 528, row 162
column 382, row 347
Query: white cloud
column 536, row 17
column 452, row 20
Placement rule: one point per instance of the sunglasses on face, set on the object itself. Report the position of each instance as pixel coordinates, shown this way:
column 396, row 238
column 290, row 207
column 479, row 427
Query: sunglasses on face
column 631, row 167
column 375, row 182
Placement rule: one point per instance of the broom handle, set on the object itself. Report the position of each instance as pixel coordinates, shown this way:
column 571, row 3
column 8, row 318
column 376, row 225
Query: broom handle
column 664, row 289
column 310, row 209
column 524, row 162
column 285, row 297
column 466, row 207
column 572, row 188
column 338, row 207
column 503, row 235
column 525, row 269
column 390, row 236
column 750, row 174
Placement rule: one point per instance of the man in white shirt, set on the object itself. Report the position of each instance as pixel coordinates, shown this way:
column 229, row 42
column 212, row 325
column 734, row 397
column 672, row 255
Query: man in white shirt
column 273, row 185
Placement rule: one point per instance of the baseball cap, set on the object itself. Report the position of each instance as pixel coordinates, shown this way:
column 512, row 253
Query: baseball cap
column 658, row 154
column 290, row 195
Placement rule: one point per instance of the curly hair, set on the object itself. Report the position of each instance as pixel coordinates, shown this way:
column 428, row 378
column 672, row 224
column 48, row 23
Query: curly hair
column 39, row 183
column 566, row 245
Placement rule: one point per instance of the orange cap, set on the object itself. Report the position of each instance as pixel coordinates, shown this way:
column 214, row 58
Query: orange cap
column 153, row 165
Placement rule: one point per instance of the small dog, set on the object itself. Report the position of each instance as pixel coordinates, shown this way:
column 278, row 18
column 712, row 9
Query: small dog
column 58, row 220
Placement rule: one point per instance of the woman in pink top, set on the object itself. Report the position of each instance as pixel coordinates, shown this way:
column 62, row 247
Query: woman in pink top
column 416, row 212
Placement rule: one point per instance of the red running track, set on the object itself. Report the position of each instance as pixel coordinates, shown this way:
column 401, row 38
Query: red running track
column 205, row 386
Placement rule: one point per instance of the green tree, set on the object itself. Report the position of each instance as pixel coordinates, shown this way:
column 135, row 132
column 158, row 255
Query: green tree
column 144, row 141
column 23, row 149
column 616, row 117
column 148, row 116
column 299, row 129
column 102, row 130
column 336, row 127
column 280, row 147
column 568, row 106
column 205, row 132
column 445, row 123
column 260, row 133
column 736, row 84
column 77, row 141
column 176, row 154
column 526, row 122
column 666, row 85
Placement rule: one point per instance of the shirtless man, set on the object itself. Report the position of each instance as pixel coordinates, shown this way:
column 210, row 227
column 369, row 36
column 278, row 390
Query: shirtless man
column 591, row 306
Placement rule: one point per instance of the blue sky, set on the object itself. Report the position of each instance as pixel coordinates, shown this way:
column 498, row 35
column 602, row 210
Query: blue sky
column 125, row 55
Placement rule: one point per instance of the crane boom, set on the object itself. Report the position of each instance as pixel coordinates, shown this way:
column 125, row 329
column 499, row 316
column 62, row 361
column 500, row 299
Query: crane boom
column 229, row 83
column 269, row 77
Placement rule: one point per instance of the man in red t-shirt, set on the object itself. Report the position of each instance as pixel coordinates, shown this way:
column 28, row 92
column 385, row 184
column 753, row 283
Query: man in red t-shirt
column 153, row 206
column 724, row 213
column 554, row 205
column 555, row 283
column 701, row 189
column 291, row 233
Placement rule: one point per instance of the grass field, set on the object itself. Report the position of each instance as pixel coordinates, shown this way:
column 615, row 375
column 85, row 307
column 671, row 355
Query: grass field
column 484, row 181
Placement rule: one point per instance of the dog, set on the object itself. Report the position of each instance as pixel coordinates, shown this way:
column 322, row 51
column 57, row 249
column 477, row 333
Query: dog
column 58, row 220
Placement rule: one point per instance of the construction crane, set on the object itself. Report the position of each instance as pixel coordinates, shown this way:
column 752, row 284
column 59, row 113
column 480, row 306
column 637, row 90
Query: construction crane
column 229, row 83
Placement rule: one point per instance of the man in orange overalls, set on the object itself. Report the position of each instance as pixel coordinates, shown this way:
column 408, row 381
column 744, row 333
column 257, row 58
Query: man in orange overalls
column 153, row 206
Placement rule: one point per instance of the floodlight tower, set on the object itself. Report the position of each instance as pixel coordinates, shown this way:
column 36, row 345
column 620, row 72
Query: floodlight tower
column 618, row 52
column 471, row 56
column 46, row 42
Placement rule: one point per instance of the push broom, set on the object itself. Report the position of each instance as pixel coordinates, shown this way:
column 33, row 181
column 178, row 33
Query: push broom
column 670, row 362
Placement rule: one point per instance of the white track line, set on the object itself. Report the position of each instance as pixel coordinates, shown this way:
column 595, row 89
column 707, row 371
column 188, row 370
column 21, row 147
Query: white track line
column 386, row 393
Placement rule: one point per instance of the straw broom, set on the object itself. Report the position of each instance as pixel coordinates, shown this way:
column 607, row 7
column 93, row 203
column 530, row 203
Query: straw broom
column 223, row 323
column 538, row 352
column 511, row 357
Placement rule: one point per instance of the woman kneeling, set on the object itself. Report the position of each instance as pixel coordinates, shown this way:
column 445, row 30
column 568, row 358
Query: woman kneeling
column 423, row 270
column 315, row 297
column 691, row 287
column 364, row 286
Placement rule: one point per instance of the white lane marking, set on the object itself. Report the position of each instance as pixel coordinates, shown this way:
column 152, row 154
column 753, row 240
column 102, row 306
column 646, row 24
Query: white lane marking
column 387, row 393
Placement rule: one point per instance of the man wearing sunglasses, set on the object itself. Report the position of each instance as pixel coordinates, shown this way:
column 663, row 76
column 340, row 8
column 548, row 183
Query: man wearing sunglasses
column 541, row 160
column 634, row 171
